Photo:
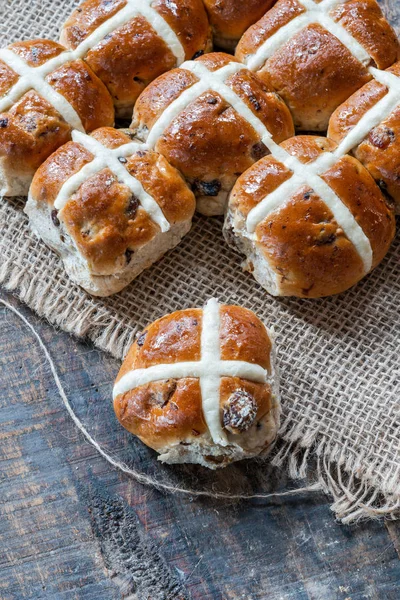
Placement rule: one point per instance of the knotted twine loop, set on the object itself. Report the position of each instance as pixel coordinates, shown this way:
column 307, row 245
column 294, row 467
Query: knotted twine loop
column 134, row 473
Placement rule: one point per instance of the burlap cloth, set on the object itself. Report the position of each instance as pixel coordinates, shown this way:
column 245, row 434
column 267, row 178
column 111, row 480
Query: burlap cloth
column 339, row 357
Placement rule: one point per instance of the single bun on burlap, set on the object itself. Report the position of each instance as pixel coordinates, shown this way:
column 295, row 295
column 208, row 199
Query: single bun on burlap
column 44, row 95
column 230, row 19
column 200, row 386
column 311, row 223
column 368, row 125
column 316, row 54
column 208, row 119
column 128, row 43
column 109, row 207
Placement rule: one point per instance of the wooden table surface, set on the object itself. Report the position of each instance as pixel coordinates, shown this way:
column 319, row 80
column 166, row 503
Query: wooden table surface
column 72, row 527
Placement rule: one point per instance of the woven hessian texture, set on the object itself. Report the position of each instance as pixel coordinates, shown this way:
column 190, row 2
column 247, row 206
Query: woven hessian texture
column 338, row 357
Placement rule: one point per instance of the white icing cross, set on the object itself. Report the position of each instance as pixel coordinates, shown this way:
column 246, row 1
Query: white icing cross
column 376, row 114
column 132, row 9
column 315, row 13
column 34, row 77
column 208, row 80
column 210, row 369
column 109, row 158
column 310, row 175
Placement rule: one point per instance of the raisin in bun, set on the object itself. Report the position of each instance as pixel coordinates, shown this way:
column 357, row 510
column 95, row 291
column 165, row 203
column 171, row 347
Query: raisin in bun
column 230, row 19
column 310, row 223
column 128, row 43
column 204, row 118
column 316, row 54
column 109, row 207
column 44, row 94
column 199, row 386
column 368, row 125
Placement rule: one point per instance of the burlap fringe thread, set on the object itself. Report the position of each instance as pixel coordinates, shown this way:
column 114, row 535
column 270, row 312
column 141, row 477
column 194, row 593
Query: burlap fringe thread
column 354, row 498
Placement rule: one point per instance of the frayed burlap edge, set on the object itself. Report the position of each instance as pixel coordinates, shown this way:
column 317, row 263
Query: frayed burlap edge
column 356, row 495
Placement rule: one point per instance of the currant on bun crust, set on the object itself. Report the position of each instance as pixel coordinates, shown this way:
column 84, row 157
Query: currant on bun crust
column 109, row 207
column 200, row 386
column 311, row 223
column 205, row 118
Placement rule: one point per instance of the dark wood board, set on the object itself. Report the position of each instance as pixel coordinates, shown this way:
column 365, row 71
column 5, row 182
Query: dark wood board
column 74, row 528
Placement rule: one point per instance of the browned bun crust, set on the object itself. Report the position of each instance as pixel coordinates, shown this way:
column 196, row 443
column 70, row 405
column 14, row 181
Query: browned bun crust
column 301, row 242
column 379, row 152
column 130, row 57
column 313, row 71
column 209, row 142
column 230, row 18
column 32, row 128
column 102, row 217
column 169, row 413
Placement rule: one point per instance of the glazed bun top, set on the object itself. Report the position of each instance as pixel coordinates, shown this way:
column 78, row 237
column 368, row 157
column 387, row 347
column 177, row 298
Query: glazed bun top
column 316, row 54
column 128, row 43
column 231, row 18
column 199, row 377
column 112, row 195
column 318, row 219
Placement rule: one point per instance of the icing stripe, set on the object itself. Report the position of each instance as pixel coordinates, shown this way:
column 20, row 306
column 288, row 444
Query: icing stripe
column 315, row 13
column 376, row 114
column 233, row 368
column 310, row 175
column 34, row 78
column 132, row 9
column 209, row 370
column 108, row 158
column 210, row 380
column 208, row 80
column 173, row 110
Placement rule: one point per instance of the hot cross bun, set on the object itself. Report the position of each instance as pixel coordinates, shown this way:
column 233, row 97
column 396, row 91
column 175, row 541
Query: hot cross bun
column 315, row 54
column 310, row 222
column 200, row 386
column 44, row 94
column 209, row 118
column 128, row 43
column 109, row 207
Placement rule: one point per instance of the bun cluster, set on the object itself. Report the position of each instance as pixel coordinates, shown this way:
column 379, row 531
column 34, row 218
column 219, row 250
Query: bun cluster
column 312, row 215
